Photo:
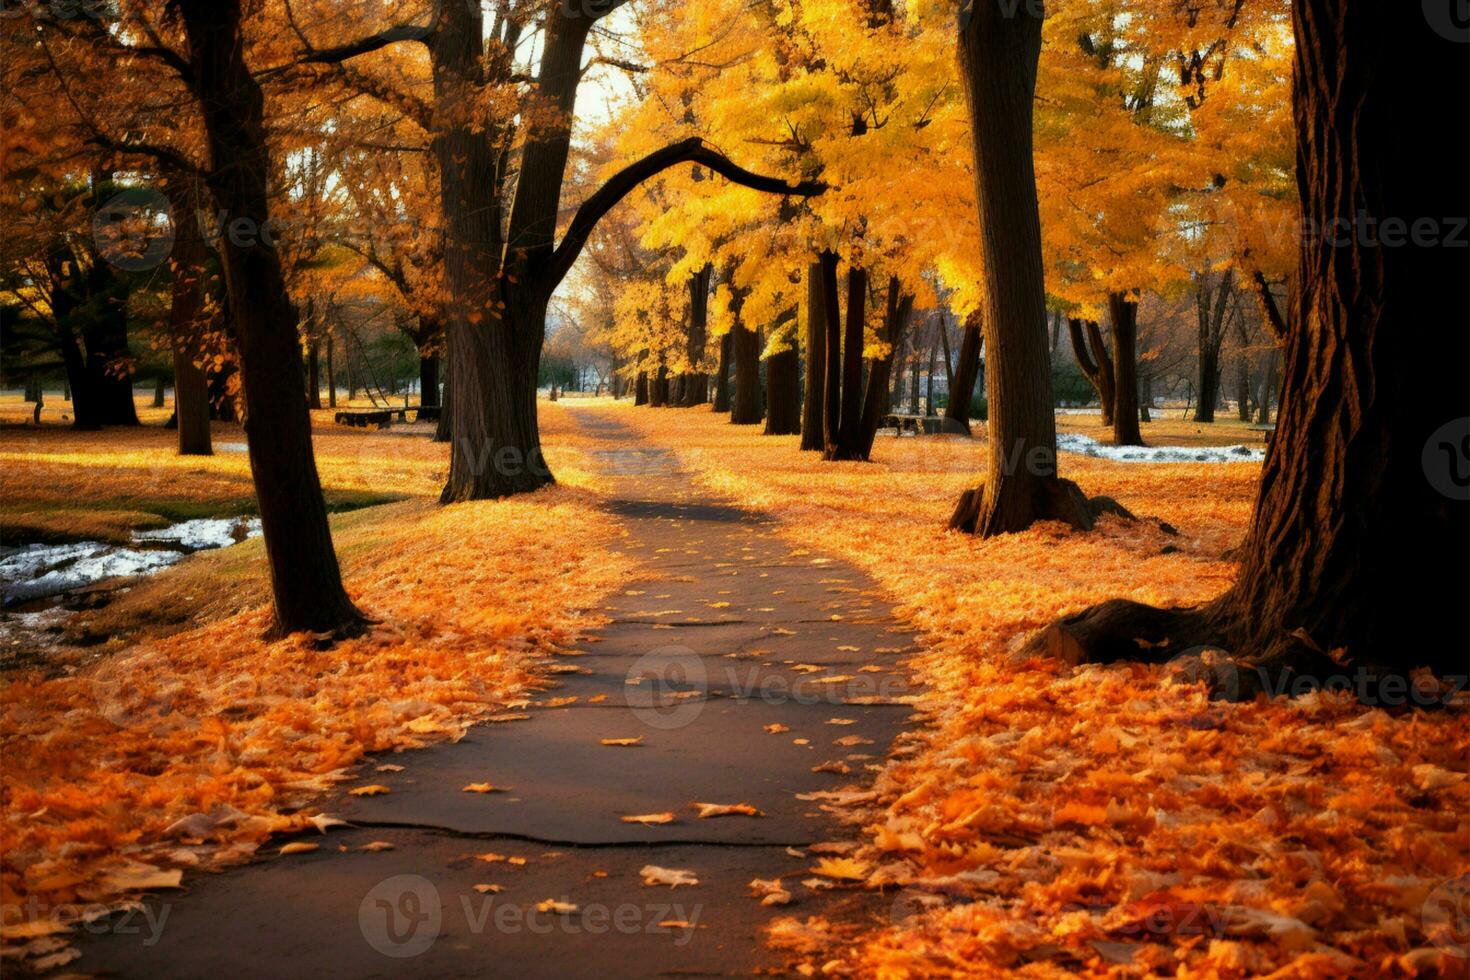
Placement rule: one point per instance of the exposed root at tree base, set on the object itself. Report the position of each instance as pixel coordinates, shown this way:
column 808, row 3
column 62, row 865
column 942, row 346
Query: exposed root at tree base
column 1055, row 500
column 1202, row 645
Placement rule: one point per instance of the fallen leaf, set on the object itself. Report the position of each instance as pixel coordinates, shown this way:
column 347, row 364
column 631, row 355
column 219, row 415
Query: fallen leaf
column 649, row 818
column 489, row 889
column 843, row 869
column 726, row 810
column 483, row 788
column 373, row 790
column 299, row 847
column 624, row 742
column 377, row 845
column 777, row 728
column 560, row 908
column 673, row 877
column 390, row 767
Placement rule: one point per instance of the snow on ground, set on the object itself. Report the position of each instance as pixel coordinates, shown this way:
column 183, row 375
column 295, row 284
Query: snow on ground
column 1088, row 446
column 36, row 570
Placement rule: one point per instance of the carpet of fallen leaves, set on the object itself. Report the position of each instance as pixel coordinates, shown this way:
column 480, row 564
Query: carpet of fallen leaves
column 115, row 772
column 1107, row 820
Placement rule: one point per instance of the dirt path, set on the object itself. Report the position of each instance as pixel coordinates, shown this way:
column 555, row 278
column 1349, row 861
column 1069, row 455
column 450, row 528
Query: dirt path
column 729, row 632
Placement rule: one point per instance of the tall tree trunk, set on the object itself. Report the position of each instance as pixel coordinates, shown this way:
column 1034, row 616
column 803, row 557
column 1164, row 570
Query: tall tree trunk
column 1354, row 567
column 1145, row 397
column 428, row 378
column 159, row 391
column 783, row 382
column 1243, row 387
column 191, row 386
column 967, row 371
column 722, row 375
column 331, row 371
column 658, row 388
column 1211, row 315
column 1095, row 362
column 849, row 430
column 814, row 398
column 1268, row 388
column 1124, row 314
column 640, row 389
column 696, row 382
column 832, row 372
column 895, row 319
column 745, row 408
column 998, row 53
column 305, row 580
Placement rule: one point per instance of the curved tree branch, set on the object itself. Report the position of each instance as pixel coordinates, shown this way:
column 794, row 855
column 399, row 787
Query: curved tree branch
column 693, row 150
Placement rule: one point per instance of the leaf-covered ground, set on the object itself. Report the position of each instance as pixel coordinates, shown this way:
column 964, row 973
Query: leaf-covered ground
column 1106, row 820
column 101, row 761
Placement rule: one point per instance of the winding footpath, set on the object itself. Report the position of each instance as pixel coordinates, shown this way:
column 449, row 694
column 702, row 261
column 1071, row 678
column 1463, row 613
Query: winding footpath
column 739, row 665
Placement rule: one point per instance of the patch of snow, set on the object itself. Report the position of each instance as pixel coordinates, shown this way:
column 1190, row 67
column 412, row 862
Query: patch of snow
column 49, row 569
column 1087, row 446
column 204, row 532
column 232, row 447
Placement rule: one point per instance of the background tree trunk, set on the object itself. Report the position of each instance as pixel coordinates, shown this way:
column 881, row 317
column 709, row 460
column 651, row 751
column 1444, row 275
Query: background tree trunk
column 331, row 370
column 812, row 412
column 849, row 429
column 305, row 580
column 191, row 386
column 696, row 384
column 745, row 347
column 640, row 389
column 1124, row 314
column 967, row 371
column 895, row 319
column 428, row 378
column 783, row 384
column 998, row 54
column 722, row 376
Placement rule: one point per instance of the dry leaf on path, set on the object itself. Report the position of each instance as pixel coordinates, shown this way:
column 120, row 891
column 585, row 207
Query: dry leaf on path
column 623, row 742
column 673, row 877
column 560, row 908
column 484, row 788
column 377, row 845
column 299, row 847
column 373, row 790
column 726, row 810
column 649, row 818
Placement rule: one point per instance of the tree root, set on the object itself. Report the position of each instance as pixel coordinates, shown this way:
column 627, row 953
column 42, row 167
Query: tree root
column 1056, row 500
column 1203, row 644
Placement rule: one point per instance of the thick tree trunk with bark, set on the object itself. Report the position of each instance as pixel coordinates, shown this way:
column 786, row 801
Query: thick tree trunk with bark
column 695, row 384
column 849, row 429
column 640, row 389
column 814, row 398
column 305, row 579
column 832, row 342
column 722, row 376
column 783, row 383
column 1124, row 314
column 998, row 53
column 745, row 347
column 1354, row 569
column 966, row 373
column 658, row 387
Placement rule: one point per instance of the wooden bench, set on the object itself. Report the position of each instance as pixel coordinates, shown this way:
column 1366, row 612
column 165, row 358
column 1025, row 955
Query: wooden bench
column 1266, row 431
column 928, row 425
column 382, row 418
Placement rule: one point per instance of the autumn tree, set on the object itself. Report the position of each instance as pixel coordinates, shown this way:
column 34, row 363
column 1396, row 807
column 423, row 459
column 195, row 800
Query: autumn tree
column 1355, row 557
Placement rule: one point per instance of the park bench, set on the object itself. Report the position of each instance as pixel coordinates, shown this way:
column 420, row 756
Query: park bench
column 921, row 424
column 381, row 417
column 1266, row 432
